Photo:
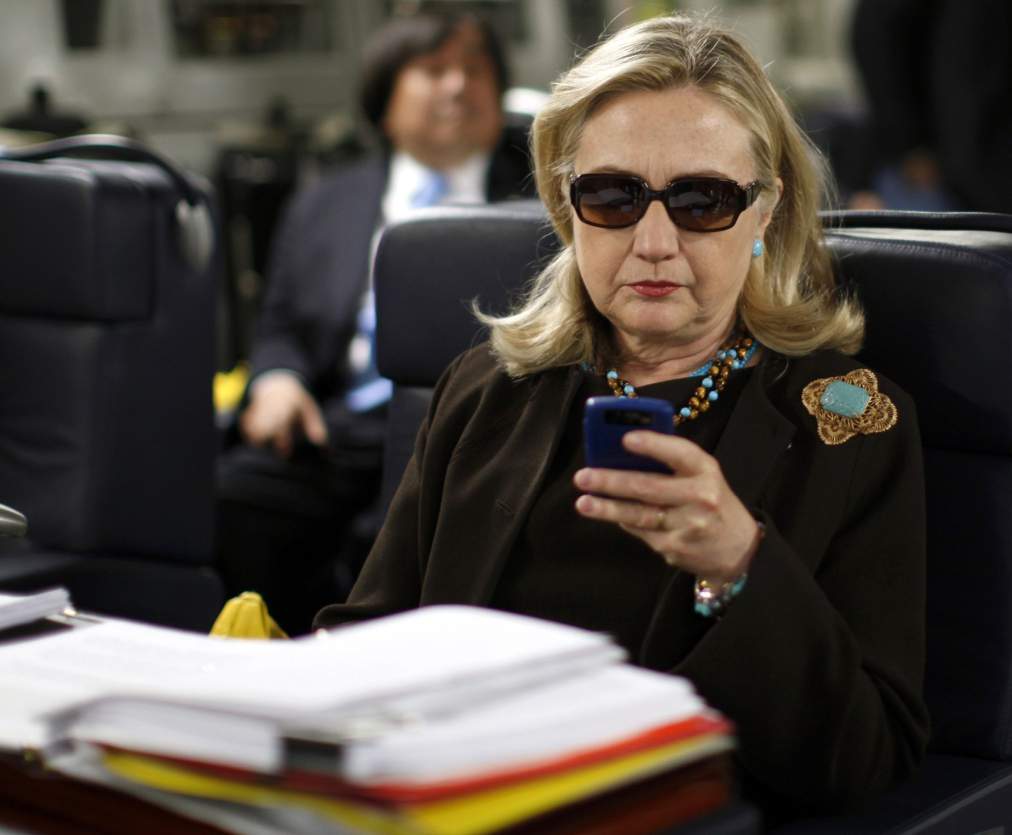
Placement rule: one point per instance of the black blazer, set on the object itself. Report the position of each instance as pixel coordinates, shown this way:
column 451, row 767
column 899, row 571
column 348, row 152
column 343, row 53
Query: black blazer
column 819, row 662
column 319, row 266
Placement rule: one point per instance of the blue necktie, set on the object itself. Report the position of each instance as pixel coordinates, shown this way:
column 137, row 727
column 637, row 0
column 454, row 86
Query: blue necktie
column 430, row 191
column 368, row 389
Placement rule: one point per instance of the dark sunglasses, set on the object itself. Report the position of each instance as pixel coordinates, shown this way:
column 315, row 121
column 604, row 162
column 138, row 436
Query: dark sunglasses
column 699, row 204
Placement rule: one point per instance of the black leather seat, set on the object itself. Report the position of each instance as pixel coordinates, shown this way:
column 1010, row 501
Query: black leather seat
column 107, row 436
column 937, row 290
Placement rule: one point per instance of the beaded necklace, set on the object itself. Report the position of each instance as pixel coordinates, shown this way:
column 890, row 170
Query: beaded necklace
column 734, row 354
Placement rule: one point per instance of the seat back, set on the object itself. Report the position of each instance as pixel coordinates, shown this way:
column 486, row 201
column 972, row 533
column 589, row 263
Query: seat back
column 937, row 291
column 428, row 272
column 107, row 435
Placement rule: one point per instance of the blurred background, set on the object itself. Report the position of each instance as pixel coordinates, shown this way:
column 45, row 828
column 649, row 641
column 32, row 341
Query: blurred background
column 188, row 74
column 259, row 95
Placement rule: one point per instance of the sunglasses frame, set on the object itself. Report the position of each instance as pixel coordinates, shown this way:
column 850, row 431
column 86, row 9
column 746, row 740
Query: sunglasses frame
column 746, row 196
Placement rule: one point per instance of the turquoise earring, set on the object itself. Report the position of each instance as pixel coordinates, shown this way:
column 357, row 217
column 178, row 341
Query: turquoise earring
column 758, row 248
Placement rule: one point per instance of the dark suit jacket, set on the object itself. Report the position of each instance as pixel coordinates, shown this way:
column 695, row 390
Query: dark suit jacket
column 320, row 263
column 938, row 74
column 819, row 661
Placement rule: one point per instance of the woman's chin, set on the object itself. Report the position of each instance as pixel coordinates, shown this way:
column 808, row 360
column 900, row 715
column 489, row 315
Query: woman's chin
column 653, row 322
column 668, row 331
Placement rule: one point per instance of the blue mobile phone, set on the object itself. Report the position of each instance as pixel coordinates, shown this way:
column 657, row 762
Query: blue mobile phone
column 607, row 419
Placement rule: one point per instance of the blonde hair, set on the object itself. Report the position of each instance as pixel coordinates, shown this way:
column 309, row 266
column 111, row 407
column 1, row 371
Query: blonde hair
column 790, row 301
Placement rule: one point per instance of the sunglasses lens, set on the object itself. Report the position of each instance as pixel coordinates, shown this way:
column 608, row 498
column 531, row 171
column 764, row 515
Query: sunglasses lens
column 704, row 205
column 604, row 200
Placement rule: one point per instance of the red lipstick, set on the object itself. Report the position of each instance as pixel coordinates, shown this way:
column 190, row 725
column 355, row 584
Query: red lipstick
column 654, row 289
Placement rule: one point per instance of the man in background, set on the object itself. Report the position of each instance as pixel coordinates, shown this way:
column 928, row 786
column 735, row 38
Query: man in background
column 313, row 416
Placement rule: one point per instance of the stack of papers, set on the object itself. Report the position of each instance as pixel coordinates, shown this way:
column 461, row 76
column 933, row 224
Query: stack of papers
column 446, row 720
column 19, row 609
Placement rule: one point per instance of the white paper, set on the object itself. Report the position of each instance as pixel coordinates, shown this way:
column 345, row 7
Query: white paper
column 427, row 662
column 432, row 650
column 587, row 711
column 18, row 609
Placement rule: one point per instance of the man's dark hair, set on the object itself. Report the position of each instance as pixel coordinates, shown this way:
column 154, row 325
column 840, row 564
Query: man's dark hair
column 404, row 39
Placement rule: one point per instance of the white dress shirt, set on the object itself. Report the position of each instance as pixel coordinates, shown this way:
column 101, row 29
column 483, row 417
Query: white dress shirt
column 465, row 183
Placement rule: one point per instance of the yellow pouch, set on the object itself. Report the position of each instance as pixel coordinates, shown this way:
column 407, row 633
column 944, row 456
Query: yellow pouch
column 229, row 386
column 246, row 616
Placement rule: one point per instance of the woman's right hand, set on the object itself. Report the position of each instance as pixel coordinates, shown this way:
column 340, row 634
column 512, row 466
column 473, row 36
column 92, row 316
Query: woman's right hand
column 691, row 517
column 280, row 408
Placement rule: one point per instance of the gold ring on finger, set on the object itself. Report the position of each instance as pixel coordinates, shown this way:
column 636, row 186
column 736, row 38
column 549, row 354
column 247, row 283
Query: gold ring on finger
column 662, row 520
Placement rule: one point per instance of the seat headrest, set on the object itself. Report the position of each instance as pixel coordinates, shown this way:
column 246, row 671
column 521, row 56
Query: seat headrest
column 938, row 304
column 74, row 245
column 431, row 267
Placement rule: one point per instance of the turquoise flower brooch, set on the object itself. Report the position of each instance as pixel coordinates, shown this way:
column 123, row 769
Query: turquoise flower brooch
column 849, row 405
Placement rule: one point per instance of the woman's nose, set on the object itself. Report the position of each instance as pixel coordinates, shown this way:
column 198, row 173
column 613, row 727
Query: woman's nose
column 656, row 237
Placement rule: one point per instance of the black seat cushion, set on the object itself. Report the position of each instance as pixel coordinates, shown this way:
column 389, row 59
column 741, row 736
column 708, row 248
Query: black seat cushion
column 107, row 436
column 938, row 303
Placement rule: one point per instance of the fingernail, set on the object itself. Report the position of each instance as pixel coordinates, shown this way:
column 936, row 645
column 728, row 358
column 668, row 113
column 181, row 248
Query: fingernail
column 585, row 504
column 634, row 439
column 582, row 478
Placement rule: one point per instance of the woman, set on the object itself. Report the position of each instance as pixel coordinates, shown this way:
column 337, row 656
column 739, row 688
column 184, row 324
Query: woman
column 780, row 567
